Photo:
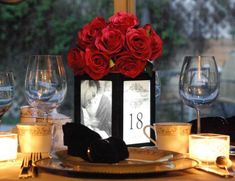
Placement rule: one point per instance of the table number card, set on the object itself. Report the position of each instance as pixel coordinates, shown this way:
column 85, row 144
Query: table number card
column 136, row 110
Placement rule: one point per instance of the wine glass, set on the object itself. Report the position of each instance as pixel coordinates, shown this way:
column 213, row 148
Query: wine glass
column 6, row 92
column 45, row 82
column 199, row 83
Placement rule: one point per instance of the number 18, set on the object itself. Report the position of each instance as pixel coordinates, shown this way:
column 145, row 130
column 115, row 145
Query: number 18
column 138, row 121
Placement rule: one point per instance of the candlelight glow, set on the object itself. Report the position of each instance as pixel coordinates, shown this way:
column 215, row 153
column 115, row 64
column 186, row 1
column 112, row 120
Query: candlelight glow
column 199, row 67
column 8, row 146
column 207, row 147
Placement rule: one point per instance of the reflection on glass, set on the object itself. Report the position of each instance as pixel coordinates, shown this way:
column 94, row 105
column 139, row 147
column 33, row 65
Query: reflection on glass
column 45, row 82
column 6, row 92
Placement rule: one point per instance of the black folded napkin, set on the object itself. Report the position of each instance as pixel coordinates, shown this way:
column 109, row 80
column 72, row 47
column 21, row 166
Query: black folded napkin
column 78, row 138
column 110, row 150
column 87, row 144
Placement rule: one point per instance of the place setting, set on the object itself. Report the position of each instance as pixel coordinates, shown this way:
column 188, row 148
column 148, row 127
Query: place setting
column 39, row 129
column 176, row 146
column 111, row 156
column 210, row 144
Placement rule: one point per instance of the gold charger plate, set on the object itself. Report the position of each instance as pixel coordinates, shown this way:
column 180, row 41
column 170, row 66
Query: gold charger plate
column 140, row 161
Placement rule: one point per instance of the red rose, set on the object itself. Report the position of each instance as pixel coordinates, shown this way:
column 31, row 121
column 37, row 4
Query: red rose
column 156, row 42
column 87, row 35
column 139, row 43
column 123, row 21
column 76, row 61
column 119, row 46
column 110, row 41
column 97, row 64
column 128, row 65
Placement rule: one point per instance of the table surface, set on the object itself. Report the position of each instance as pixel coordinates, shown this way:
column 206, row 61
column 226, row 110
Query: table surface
column 9, row 171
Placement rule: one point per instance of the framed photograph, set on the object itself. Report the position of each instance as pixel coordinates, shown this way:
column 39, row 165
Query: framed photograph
column 116, row 106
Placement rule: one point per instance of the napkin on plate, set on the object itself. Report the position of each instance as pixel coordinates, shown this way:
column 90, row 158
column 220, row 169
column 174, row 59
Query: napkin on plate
column 87, row 144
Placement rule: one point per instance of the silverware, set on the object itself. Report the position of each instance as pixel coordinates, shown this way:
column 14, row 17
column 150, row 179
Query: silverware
column 223, row 167
column 25, row 168
column 35, row 157
column 225, row 163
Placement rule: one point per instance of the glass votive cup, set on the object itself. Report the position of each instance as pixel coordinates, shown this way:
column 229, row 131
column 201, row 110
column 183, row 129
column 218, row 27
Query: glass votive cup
column 35, row 137
column 8, row 146
column 206, row 147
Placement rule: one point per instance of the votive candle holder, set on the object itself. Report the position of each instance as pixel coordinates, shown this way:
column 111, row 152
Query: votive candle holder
column 206, row 147
column 8, row 146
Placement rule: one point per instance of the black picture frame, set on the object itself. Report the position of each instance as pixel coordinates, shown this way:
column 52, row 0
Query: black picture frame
column 118, row 82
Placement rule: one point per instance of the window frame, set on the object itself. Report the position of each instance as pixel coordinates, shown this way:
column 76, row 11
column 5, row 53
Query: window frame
column 125, row 5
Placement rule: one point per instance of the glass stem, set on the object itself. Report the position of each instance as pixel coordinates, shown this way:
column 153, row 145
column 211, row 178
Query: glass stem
column 198, row 122
column 53, row 132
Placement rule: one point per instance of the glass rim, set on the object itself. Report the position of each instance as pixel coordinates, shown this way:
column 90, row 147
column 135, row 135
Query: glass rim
column 208, row 135
column 33, row 124
column 7, row 133
column 172, row 124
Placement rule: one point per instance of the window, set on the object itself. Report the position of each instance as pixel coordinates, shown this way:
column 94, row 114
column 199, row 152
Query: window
column 192, row 27
column 42, row 27
column 186, row 27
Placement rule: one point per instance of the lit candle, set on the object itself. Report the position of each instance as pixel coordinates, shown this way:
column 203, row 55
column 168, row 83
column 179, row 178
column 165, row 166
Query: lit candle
column 8, row 146
column 207, row 147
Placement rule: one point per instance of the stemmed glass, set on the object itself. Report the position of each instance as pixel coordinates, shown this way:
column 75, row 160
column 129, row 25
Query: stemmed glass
column 6, row 91
column 45, row 82
column 199, row 83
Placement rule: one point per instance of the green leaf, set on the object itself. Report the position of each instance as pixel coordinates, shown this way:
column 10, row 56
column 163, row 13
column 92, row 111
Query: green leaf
column 111, row 63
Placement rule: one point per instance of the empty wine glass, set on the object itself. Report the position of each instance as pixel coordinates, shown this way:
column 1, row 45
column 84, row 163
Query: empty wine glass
column 45, row 82
column 6, row 92
column 199, row 82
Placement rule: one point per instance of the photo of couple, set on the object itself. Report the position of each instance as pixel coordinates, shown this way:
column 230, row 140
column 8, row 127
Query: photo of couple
column 96, row 106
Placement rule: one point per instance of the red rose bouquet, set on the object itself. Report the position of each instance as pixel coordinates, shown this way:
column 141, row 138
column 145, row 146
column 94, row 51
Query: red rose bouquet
column 119, row 45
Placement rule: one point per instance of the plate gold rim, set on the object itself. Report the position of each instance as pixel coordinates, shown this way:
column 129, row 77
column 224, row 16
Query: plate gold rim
column 123, row 168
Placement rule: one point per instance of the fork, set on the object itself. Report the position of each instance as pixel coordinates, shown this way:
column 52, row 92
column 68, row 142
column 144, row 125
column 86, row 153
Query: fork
column 35, row 157
column 25, row 168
